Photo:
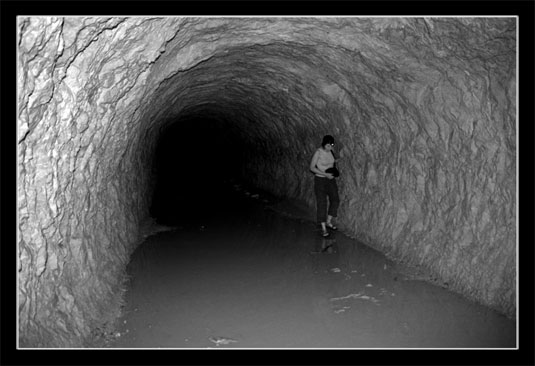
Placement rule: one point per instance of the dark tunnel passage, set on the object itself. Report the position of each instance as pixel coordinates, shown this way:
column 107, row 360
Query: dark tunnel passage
column 127, row 124
column 194, row 158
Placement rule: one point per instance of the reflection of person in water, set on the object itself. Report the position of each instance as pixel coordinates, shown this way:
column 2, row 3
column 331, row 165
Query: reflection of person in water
column 326, row 281
column 327, row 246
column 325, row 185
column 326, row 255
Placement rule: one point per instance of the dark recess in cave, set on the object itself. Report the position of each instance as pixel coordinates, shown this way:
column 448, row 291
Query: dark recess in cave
column 195, row 158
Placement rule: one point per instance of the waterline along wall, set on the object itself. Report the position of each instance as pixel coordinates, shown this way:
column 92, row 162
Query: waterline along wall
column 423, row 111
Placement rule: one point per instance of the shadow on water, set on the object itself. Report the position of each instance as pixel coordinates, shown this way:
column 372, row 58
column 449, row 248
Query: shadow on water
column 236, row 274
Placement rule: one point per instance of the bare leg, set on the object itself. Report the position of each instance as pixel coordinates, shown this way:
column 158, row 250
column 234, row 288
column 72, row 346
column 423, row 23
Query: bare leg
column 330, row 222
column 324, row 231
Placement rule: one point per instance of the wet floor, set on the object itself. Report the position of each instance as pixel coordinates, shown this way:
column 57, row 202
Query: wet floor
column 239, row 275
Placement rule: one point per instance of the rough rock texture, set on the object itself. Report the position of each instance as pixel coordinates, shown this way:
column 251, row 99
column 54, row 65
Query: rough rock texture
column 423, row 111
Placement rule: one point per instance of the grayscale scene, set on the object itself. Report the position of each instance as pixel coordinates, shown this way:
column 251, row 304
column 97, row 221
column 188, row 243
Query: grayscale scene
column 267, row 182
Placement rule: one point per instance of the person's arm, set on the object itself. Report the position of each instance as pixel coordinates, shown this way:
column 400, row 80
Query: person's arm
column 314, row 168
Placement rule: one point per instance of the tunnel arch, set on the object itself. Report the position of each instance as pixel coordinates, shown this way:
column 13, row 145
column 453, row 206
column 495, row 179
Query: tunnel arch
column 424, row 110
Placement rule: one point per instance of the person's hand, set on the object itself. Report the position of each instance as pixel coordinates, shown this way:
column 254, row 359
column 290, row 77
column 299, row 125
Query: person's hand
column 329, row 176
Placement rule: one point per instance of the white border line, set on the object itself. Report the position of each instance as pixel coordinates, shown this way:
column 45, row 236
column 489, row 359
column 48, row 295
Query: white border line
column 276, row 16
column 17, row 185
column 517, row 158
column 266, row 16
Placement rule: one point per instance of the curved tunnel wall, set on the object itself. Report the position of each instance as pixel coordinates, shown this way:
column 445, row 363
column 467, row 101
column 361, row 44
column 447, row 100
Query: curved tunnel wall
column 423, row 111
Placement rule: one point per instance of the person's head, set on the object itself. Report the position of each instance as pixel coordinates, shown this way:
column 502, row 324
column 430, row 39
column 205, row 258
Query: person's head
column 328, row 140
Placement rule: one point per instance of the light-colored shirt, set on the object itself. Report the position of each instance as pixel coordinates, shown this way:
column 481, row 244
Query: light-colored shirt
column 325, row 160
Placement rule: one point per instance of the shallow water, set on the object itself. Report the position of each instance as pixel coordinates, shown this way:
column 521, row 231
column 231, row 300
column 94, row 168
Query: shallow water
column 238, row 275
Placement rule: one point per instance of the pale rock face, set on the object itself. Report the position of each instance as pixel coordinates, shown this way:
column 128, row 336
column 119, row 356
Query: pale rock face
column 423, row 110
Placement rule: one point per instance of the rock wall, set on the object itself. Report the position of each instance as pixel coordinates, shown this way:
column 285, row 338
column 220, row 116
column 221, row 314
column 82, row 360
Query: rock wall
column 423, row 111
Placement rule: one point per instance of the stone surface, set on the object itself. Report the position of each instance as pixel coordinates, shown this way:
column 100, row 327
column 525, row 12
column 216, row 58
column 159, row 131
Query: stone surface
column 423, row 111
